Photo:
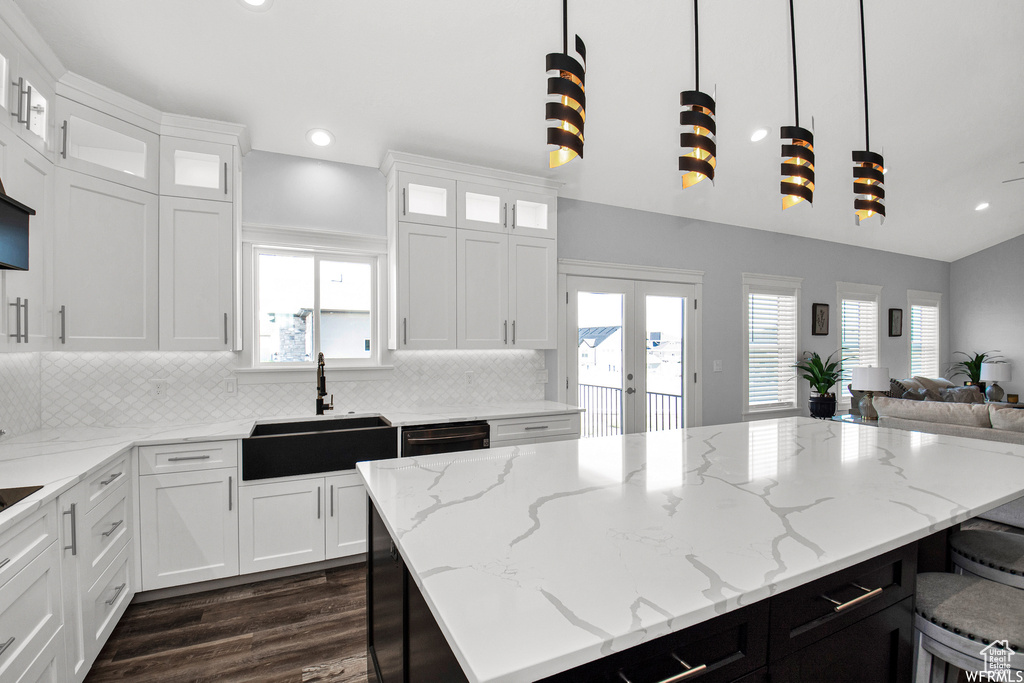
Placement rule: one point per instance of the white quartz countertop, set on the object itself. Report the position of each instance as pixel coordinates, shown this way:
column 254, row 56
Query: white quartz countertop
column 535, row 559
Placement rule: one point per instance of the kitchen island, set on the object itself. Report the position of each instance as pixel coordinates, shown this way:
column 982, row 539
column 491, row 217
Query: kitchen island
column 536, row 560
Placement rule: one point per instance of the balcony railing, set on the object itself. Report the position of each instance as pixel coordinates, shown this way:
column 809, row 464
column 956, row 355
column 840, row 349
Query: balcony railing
column 603, row 416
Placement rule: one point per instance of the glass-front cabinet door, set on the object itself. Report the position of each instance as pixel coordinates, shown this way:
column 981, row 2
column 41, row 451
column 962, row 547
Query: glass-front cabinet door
column 426, row 199
column 197, row 169
column 102, row 146
column 31, row 101
column 483, row 207
column 532, row 214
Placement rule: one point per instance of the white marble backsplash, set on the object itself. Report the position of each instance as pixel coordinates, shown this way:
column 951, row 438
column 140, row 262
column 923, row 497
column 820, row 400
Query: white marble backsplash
column 19, row 392
column 110, row 389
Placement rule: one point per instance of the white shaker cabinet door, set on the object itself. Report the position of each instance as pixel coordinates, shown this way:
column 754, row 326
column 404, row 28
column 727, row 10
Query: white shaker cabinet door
column 281, row 524
column 532, row 283
column 426, row 287
column 346, row 515
column 105, row 266
column 483, row 321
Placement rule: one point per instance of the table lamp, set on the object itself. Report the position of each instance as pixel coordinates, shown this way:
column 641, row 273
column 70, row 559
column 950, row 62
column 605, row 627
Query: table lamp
column 870, row 380
column 995, row 372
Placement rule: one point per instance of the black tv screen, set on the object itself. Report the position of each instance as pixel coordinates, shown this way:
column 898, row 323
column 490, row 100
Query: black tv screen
column 13, row 233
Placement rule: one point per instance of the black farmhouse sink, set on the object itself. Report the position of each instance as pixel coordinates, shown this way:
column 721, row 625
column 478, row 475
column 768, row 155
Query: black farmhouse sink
column 288, row 449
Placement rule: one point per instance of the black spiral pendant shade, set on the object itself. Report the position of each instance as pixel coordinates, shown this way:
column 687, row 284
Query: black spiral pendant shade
column 569, row 110
column 868, row 167
column 698, row 159
column 798, row 152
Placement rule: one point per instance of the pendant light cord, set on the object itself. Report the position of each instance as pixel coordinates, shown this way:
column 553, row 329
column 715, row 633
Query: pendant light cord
column 696, row 48
column 565, row 26
column 792, row 33
column 864, row 65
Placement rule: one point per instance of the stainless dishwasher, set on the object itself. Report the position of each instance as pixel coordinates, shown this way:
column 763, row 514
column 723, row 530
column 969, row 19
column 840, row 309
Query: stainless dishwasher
column 445, row 438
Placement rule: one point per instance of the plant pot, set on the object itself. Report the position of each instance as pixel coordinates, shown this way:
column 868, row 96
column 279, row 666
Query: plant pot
column 823, row 407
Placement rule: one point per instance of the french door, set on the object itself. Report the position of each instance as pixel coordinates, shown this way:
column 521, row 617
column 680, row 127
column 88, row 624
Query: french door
column 631, row 361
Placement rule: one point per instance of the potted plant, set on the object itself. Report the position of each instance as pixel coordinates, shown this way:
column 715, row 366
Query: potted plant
column 822, row 376
column 970, row 367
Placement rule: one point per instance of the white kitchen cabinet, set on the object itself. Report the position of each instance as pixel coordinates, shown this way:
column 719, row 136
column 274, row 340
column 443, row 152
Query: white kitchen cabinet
column 426, row 199
column 196, row 275
column 189, row 526
column 103, row 146
column 482, row 207
column 518, row 431
column 32, row 102
column 281, row 524
column 533, row 215
column 50, row 666
column 30, row 613
column 196, row 168
column 533, row 293
column 426, row 287
column 346, row 515
column 105, row 263
column 29, row 179
column 483, row 295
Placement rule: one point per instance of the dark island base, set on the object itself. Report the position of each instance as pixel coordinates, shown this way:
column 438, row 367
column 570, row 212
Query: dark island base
column 798, row 636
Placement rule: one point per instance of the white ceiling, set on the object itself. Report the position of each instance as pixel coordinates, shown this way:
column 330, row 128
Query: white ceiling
column 464, row 80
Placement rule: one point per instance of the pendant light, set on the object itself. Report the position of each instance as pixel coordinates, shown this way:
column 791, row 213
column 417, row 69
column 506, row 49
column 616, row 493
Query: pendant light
column 698, row 111
column 798, row 154
column 868, row 167
column 568, row 112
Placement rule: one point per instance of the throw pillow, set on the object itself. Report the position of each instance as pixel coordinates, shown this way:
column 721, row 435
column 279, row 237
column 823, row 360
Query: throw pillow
column 937, row 384
column 967, row 415
column 915, row 395
column 1011, row 419
column 962, row 395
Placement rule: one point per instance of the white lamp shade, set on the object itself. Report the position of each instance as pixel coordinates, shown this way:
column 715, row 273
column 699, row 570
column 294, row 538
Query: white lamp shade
column 870, row 379
column 995, row 372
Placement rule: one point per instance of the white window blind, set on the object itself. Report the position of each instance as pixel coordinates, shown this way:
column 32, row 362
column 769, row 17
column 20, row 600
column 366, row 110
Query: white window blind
column 771, row 349
column 859, row 323
column 924, row 340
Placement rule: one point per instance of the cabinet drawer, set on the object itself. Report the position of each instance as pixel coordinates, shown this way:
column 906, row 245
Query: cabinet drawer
column 20, row 544
column 50, row 665
column 728, row 647
column 30, row 613
column 807, row 613
column 185, row 457
column 107, row 600
column 102, row 483
column 550, row 428
column 103, row 533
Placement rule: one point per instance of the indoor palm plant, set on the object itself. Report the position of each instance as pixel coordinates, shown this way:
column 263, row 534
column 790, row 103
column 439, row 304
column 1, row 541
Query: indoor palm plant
column 970, row 367
column 822, row 376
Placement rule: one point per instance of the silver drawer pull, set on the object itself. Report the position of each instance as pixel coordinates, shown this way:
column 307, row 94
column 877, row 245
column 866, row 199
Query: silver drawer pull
column 113, row 528
column 868, row 594
column 110, row 478
column 74, row 533
column 4, row 562
column 530, row 429
column 117, row 592
column 3, row 648
column 179, row 458
column 691, row 671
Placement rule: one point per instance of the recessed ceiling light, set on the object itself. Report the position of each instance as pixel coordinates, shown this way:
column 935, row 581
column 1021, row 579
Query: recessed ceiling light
column 759, row 134
column 320, row 137
column 981, row 207
column 256, row 5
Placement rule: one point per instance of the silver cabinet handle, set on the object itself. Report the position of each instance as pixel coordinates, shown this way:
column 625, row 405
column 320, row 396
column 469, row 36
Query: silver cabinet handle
column 530, row 429
column 28, row 110
column 17, row 320
column 690, row 671
column 117, row 592
column 25, row 309
column 225, row 178
column 513, row 331
column 225, row 328
column 505, row 340
column 403, row 201
column 20, row 83
column 113, row 528
column 513, row 215
column 405, row 330
column 504, row 221
column 74, row 533
column 868, row 594
column 64, row 140
column 318, row 501
column 178, row 458
column 63, row 327
column 111, row 478
column 4, row 562
column 332, row 502
column 3, row 648
column 229, row 493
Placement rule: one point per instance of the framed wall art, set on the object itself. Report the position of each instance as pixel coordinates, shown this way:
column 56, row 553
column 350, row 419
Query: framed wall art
column 819, row 319
column 895, row 322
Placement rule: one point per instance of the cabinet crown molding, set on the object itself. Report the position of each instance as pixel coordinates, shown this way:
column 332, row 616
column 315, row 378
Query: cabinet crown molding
column 420, row 163
column 27, row 35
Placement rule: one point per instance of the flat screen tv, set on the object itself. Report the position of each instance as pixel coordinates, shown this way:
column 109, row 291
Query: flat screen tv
column 13, row 233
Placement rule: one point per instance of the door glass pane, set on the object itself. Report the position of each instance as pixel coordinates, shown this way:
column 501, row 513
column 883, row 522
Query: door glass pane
column 665, row 366
column 105, row 147
column 531, row 215
column 346, row 290
column 483, row 208
column 599, row 359
column 196, row 169
column 37, row 112
column 286, row 305
column 428, row 201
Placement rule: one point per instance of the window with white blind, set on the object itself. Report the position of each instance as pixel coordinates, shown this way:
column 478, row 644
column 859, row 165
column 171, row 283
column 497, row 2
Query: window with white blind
column 924, row 333
column 858, row 325
column 770, row 314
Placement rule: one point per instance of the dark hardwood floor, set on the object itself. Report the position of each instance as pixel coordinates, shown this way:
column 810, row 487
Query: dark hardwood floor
column 309, row 627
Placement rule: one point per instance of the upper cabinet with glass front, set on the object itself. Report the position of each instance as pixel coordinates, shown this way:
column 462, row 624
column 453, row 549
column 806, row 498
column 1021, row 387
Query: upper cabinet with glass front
column 27, row 94
column 511, row 209
column 196, row 168
column 426, row 199
column 103, row 146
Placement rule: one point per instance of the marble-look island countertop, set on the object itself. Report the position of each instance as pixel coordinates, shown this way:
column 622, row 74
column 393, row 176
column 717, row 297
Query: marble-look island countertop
column 535, row 559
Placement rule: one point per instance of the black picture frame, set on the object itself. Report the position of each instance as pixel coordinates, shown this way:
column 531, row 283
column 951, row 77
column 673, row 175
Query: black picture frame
column 895, row 322
column 819, row 320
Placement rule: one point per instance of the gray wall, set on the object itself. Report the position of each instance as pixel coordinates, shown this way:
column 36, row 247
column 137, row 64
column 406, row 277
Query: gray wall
column 597, row 232
column 987, row 296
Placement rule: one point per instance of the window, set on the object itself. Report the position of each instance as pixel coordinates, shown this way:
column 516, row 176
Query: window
column 770, row 306
column 924, row 333
column 858, row 320
column 311, row 302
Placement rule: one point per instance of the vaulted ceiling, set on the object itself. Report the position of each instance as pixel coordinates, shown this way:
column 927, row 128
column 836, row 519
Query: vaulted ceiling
column 465, row 80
